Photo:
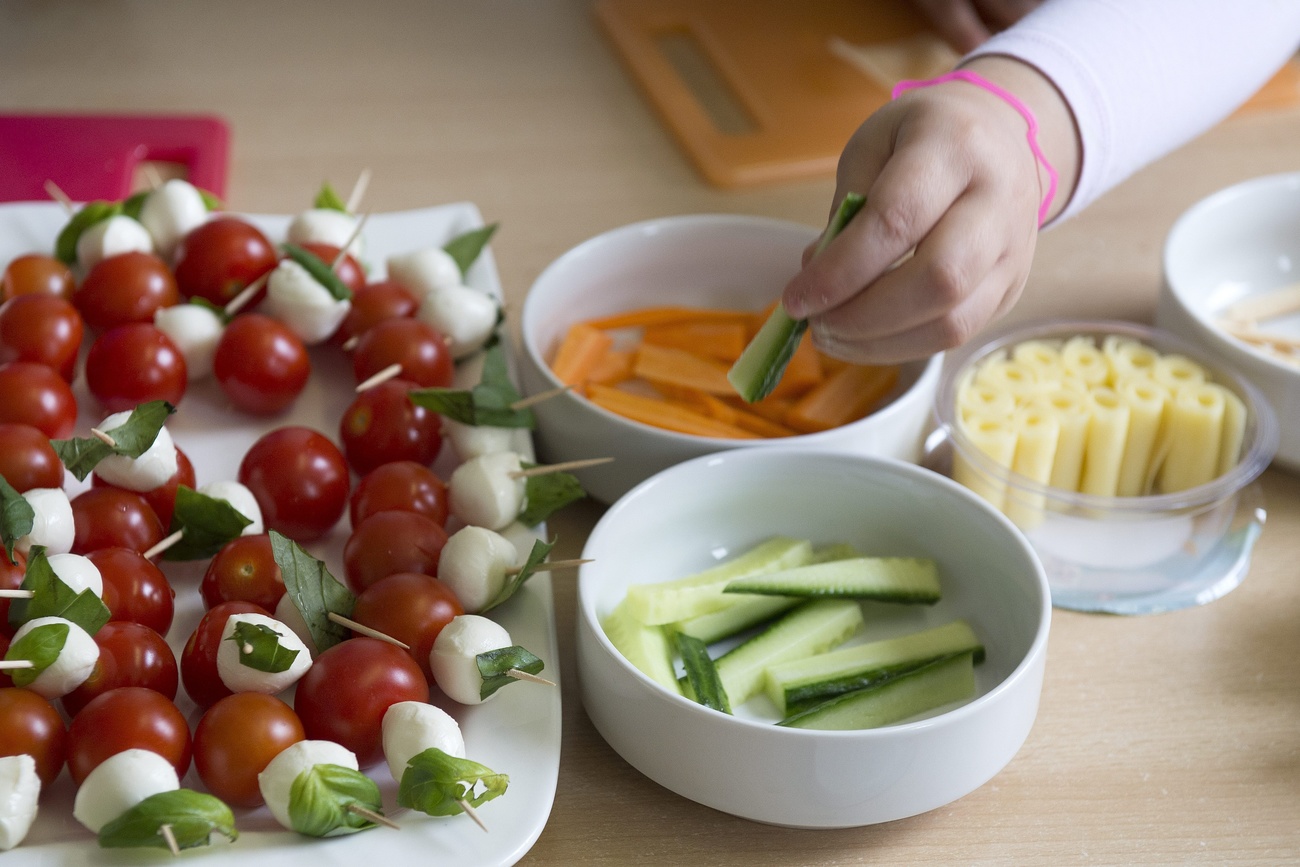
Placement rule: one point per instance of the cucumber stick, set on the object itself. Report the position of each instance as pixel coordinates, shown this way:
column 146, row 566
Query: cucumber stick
column 885, row 579
column 762, row 364
column 703, row 683
column 947, row 680
column 684, row 598
column 801, row 683
column 813, row 627
column 646, row 647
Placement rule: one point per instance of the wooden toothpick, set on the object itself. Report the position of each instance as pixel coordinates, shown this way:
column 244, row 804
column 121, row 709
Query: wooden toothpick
column 103, row 437
column 540, row 396
column 377, row 818
column 164, row 544
column 381, row 377
column 558, row 468
column 518, row 674
column 472, row 813
column 343, row 251
column 57, row 194
column 17, row 594
column 170, row 837
column 358, row 191
column 248, row 294
column 549, row 566
column 14, row 664
column 362, row 629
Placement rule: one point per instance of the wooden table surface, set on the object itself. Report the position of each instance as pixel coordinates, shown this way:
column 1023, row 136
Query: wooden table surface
column 1165, row 739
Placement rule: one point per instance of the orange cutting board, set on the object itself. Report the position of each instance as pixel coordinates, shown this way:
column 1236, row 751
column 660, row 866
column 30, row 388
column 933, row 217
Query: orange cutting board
column 751, row 89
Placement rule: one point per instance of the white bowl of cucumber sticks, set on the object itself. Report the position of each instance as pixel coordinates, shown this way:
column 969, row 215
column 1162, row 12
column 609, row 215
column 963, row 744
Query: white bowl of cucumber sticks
column 946, row 673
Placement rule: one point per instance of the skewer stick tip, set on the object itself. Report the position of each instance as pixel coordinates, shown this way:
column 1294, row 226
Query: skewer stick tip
column 377, row 818
column 519, row 674
column 362, row 629
column 164, row 544
column 103, row 437
column 472, row 813
column 381, row 377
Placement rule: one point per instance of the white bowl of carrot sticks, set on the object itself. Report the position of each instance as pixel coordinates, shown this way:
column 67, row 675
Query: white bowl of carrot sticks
column 1231, row 284
column 642, row 323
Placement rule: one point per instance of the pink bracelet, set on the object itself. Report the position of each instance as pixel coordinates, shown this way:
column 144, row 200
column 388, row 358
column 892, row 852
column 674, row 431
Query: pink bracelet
column 1010, row 99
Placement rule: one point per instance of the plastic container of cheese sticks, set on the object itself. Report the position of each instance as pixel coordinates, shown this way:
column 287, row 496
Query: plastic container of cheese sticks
column 1126, row 456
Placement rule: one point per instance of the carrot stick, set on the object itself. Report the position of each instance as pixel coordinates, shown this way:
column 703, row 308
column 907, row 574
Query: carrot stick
column 613, row 367
column 664, row 315
column 579, row 352
column 846, row 395
column 723, row 340
column 659, row 364
column 661, row 413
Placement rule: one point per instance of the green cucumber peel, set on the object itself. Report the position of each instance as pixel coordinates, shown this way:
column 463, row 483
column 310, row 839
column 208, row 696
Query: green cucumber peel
column 65, row 245
column 546, row 494
column 314, row 591
column 132, row 438
column 494, row 667
column 536, row 557
column 51, row 597
column 329, row 200
column 207, row 524
column 438, row 784
column 319, row 270
column 260, row 647
column 17, row 517
column 193, row 817
column 701, row 674
column 41, row 647
column 488, row 403
column 322, row 797
column 465, row 248
column 761, row 365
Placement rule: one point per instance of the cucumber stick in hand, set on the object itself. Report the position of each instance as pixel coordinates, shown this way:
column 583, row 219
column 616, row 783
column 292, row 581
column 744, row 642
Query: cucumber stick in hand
column 762, row 364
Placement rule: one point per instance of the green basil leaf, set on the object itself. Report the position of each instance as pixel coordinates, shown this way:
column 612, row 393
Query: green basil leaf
column 133, row 205
column 437, row 784
column 320, row 796
column 547, row 494
column 319, row 270
column 208, row 524
column 329, row 200
column 535, row 558
column 16, row 517
column 210, row 199
column 65, row 245
column 260, row 647
column 41, row 647
column 192, row 816
column 219, row 311
column 133, row 437
column 465, row 249
column 313, row 591
column 493, row 665
column 53, row 598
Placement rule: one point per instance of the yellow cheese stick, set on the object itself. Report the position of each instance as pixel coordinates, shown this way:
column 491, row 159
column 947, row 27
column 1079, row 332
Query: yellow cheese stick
column 1146, row 405
column 1176, row 371
column 1104, row 451
column 975, row 399
column 1195, row 438
column 1234, row 430
column 1081, row 358
column 1040, row 355
column 1127, row 358
column 1071, row 409
column 1037, row 433
column 1016, row 379
column 996, row 438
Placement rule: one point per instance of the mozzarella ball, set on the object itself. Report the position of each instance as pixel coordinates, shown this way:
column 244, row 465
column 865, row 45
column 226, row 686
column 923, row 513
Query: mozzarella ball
column 244, row 678
column 309, row 310
column 196, row 330
column 152, row 469
column 75, row 662
column 454, row 657
column 473, row 563
column 241, row 498
column 465, row 316
column 470, row 440
column 277, row 779
column 326, row 226
column 112, row 237
column 424, row 270
column 411, row 727
column 119, row 783
column 287, row 613
column 483, row 492
column 52, row 524
column 170, row 212
column 20, row 791
column 78, row 572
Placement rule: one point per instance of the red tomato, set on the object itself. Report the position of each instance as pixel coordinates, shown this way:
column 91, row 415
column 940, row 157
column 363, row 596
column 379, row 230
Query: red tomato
column 129, row 287
column 112, row 517
column 236, row 740
column 244, row 570
column 162, row 499
column 373, row 303
column 36, row 273
column 30, row 725
column 218, row 259
column 130, row 654
column 133, row 364
column 389, row 542
column 347, row 690
column 199, row 658
column 42, row 328
column 410, row 607
column 403, row 485
column 382, row 425
column 36, row 395
column 260, row 364
column 11, row 578
column 300, row 480
column 27, row 460
column 135, row 589
column 130, row 717
column 418, row 347
column 346, row 269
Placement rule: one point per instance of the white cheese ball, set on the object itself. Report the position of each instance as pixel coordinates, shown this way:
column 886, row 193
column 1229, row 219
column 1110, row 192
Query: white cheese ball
column 244, row 678
column 170, row 211
column 465, row 316
column 471, row 441
column 52, row 524
column 308, row 309
column 75, row 662
column 152, row 469
column 112, row 237
column 241, row 498
column 287, row 613
column 473, row 563
column 276, row 781
column 411, row 727
column 483, row 492
column 196, row 330
column 326, row 226
column 20, row 791
column 119, row 783
column 453, row 659
column 78, row 572
column 424, row 270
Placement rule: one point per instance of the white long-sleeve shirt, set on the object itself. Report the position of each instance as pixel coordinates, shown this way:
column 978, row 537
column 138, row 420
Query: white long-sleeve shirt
column 1145, row 76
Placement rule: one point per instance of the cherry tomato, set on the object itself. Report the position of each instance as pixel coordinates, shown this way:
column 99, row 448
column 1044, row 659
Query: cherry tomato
column 135, row 589
column 260, row 364
column 199, row 658
column 235, row 741
column 133, row 364
column 36, row 273
column 30, row 725
column 418, row 347
column 243, row 570
column 5, row 680
column 389, row 542
column 112, row 517
column 300, row 480
column 383, row 425
column 410, row 607
column 41, row 328
column 162, row 499
column 129, row 655
column 349, row 687
column 11, row 578
column 36, row 395
column 346, row 269
column 27, row 460
column 129, row 287
column 373, row 303
column 404, row 485
column 218, row 259
column 126, row 718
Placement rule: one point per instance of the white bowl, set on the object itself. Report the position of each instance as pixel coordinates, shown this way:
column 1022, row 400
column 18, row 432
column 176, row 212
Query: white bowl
column 700, row 260
column 1240, row 242
column 688, row 517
